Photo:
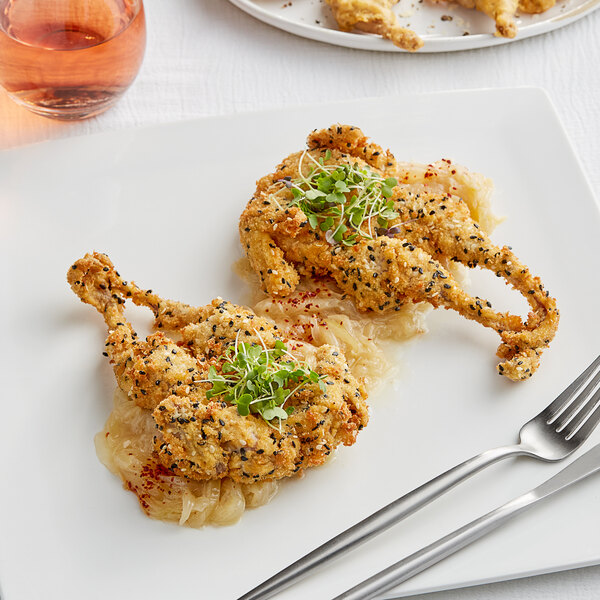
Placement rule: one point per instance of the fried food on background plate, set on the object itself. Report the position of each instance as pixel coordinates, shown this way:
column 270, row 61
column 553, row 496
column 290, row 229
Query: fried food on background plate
column 374, row 16
column 535, row 6
column 501, row 11
column 336, row 210
column 201, row 433
column 504, row 11
column 378, row 17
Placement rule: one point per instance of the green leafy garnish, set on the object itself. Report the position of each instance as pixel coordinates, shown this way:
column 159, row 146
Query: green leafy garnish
column 343, row 200
column 260, row 380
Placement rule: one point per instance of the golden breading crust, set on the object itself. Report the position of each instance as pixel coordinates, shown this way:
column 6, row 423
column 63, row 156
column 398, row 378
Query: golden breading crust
column 201, row 438
column 502, row 11
column 535, row 6
column 408, row 265
column 213, row 438
column 374, row 16
column 377, row 16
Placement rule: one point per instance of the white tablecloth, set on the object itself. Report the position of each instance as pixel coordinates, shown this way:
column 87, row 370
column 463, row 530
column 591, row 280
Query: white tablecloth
column 205, row 57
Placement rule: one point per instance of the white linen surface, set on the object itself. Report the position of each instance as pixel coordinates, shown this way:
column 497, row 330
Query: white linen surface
column 205, row 57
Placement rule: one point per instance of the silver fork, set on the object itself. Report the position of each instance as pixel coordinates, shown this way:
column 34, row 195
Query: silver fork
column 552, row 435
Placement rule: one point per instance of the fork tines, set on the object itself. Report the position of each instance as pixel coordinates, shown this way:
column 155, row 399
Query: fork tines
column 574, row 407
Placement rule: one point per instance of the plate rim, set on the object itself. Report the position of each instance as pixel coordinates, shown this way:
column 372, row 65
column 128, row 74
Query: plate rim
column 290, row 107
column 533, row 89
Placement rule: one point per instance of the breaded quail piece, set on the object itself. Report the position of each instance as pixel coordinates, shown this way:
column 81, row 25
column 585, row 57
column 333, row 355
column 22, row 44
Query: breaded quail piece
column 406, row 262
column 201, row 438
column 535, row 6
column 501, row 11
column 374, row 16
column 504, row 12
column 197, row 437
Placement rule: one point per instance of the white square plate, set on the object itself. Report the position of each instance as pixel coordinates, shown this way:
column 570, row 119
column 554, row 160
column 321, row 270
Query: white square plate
column 164, row 204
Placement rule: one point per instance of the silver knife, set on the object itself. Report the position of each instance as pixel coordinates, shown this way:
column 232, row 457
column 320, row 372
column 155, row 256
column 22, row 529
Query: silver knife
column 586, row 465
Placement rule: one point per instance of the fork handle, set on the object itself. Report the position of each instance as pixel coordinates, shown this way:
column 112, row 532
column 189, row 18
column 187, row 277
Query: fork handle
column 380, row 521
column 437, row 551
column 579, row 469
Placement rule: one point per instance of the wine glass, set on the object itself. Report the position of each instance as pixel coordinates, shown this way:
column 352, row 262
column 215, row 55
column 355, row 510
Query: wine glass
column 70, row 59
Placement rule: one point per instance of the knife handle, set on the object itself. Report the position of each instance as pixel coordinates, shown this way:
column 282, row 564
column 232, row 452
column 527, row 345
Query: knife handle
column 437, row 551
column 379, row 521
column 579, row 469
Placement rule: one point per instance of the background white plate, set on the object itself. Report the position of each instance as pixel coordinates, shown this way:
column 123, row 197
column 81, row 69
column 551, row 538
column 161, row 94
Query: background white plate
column 164, row 203
column 312, row 19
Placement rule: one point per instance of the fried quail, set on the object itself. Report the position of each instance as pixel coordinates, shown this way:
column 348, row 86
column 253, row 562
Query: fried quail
column 203, row 438
column 374, row 16
column 405, row 262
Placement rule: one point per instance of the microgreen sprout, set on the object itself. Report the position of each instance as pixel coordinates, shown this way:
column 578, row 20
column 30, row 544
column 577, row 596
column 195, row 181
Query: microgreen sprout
column 260, row 380
column 342, row 200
